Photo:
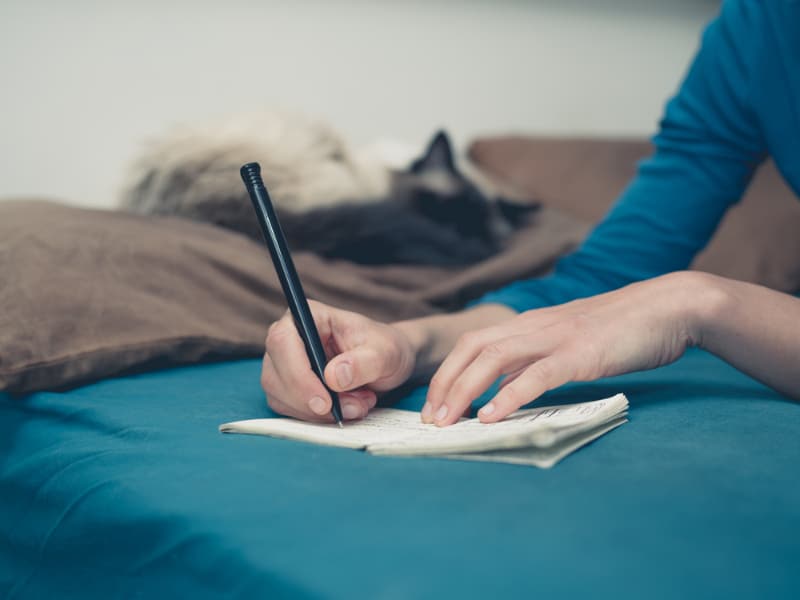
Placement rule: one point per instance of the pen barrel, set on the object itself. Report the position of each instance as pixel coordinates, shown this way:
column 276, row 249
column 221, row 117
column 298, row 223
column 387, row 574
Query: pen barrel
column 284, row 266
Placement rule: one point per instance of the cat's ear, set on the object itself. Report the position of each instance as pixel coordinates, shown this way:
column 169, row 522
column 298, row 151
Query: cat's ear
column 438, row 156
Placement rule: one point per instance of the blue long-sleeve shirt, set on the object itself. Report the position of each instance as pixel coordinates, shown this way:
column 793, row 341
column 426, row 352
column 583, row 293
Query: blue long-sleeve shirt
column 739, row 103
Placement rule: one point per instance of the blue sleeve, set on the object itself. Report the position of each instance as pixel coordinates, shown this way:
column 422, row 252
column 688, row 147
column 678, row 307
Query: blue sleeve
column 707, row 148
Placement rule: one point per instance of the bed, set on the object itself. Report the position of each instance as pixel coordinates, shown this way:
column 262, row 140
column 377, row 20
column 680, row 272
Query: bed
column 122, row 486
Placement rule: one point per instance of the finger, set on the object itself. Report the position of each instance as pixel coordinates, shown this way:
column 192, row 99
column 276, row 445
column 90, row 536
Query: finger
column 361, row 366
column 356, row 404
column 498, row 358
column 276, row 392
column 511, row 377
column 466, row 349
column 353, row 409
column 276, row 405
column 279, row 400
column 543, row 375
column 288, row 356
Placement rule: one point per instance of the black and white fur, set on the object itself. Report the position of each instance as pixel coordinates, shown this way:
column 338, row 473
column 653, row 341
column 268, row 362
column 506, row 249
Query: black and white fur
column 329, row 200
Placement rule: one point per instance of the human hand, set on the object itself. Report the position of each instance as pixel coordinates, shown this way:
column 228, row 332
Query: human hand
column 365, row 357
column 641, row 326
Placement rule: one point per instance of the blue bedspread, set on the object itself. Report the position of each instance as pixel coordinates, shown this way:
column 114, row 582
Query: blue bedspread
column 125, row 489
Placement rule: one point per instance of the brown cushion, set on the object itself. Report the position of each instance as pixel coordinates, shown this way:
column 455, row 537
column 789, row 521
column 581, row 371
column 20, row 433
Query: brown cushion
column 757, row 241
column 88, row 293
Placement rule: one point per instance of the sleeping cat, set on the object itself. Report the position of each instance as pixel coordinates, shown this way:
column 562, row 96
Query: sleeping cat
column 329, row 200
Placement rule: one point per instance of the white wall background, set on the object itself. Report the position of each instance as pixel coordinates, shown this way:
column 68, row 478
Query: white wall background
column 84, row 83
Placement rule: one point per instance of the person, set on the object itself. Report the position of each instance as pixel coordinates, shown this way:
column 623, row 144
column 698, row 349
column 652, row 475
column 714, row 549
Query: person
column 623, row 301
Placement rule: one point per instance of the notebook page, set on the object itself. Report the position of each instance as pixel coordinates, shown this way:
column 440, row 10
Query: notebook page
column 392, row 431
column 541, row 426
column 381, row 425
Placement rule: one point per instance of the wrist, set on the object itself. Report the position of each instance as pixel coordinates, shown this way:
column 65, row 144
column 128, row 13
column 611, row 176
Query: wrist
column 421, row 339
column 705, row 299
column 415, row 333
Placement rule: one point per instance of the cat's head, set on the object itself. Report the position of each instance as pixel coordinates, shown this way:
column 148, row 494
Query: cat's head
column 439, row 190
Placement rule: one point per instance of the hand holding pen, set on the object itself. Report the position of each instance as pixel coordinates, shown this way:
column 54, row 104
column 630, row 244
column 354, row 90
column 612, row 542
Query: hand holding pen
column 290, row 281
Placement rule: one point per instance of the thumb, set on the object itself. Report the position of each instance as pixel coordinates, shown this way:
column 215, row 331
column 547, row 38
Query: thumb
column 361, row 366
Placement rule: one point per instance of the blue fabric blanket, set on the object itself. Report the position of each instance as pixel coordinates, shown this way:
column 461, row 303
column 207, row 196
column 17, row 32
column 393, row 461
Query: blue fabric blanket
column 126, row 489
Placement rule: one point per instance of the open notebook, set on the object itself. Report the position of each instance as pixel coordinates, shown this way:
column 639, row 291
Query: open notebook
column 536, row 436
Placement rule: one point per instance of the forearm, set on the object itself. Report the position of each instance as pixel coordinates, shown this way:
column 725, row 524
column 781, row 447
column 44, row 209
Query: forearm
column 433, row 337
column 755, row 329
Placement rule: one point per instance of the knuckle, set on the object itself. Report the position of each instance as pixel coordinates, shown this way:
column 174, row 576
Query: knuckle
column 543, row 370
column 467, row 340
column 344, row 329
column 588, row 349
column 275, row 405
column 493, row 352
column 580, row 323
column 277, row 335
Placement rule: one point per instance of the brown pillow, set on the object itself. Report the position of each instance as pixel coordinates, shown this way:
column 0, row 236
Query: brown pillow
column 757, row 241
column 89, row 293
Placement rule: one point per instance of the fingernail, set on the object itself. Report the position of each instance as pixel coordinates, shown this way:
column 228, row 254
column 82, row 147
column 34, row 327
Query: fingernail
column 488, row 409
column 442, row 412
column 426, row 413
column 318, row 405
column 351, row 411
column 344, row 373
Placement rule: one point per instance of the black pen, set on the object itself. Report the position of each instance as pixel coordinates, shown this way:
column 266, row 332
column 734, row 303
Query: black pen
column 290, row 282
